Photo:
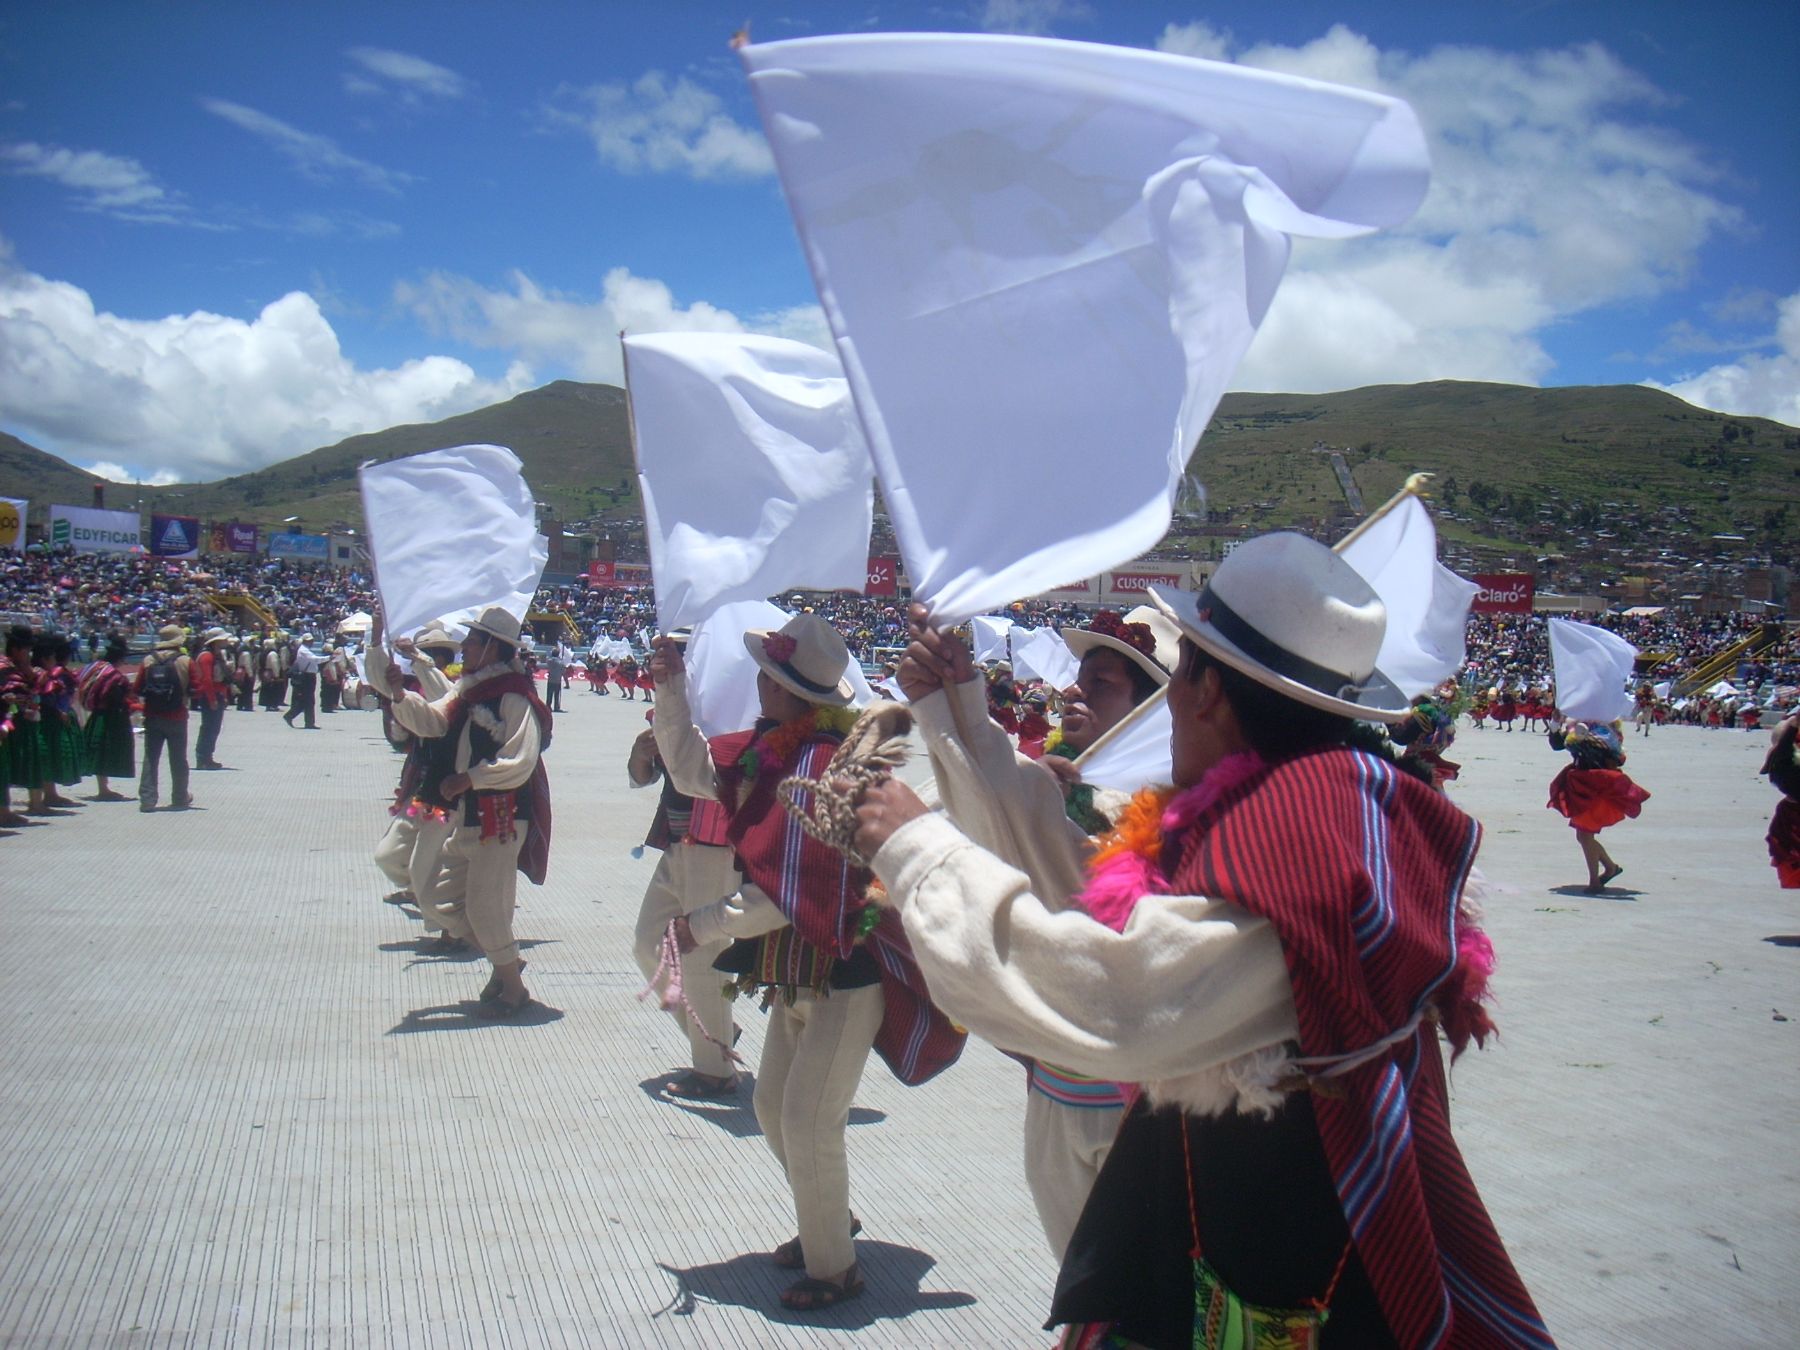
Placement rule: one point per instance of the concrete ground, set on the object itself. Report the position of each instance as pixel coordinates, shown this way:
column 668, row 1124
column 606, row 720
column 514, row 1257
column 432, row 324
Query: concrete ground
column 239, row 1108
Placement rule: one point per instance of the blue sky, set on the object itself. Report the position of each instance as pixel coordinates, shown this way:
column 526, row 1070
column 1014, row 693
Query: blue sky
column 231, row 233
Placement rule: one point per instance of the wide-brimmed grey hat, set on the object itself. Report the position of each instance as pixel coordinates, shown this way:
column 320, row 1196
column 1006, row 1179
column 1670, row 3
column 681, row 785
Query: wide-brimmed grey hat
column 495, row 622
column 805, row 656
column 1146, row 637
column 1294, row 616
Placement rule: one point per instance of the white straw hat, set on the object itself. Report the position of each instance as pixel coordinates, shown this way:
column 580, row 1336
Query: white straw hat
column 806, row 657
column 1146, row 625
column 1291, row 614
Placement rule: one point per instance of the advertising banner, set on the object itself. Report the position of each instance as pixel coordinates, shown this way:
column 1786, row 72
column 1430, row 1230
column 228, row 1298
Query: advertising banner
column 89, row 531
column 12, row 522
column 1075, row 590
column 234, row 538
column 1504, row 593
column 601, row 574
column 1137, row 584
column 314, row 547
column 174, row 536
column 883, row 577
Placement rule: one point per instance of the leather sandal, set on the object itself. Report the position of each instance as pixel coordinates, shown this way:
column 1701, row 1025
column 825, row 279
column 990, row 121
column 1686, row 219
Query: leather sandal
column 696, row 1086
column 810, row 1295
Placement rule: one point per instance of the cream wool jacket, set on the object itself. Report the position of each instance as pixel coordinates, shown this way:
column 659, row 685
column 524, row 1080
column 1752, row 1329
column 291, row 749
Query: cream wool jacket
column 516, row 730
column 1191, row 1000
column 687, row 759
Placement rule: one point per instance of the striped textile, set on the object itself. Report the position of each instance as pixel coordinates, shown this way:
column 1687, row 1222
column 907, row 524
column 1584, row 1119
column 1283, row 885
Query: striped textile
column 823, row 897
column 1074, row 1089
column 1359, row 869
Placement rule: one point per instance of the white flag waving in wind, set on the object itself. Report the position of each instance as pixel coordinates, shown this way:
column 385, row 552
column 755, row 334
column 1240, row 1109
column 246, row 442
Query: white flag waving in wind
column 754, row 473
column 1053, row 250
column 1592, row 669
column 1427, row 603
column 450, row 533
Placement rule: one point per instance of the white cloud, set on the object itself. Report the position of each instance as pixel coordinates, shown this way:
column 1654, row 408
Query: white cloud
column 1754, row 385
column 204, row 395
column 1032, row 17
column 113, row 184
column 318, row 158
column 578, row 334
column 118, row 473
column 410, row 78
column 1553, row 192
column 660, row 126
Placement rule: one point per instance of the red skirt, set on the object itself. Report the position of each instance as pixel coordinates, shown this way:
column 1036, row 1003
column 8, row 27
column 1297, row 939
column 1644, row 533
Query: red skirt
column 1592, row 799
column 1784, row 843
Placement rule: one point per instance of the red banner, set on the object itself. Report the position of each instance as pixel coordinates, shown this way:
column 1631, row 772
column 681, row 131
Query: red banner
column 1504, row 593
column 600, row 574
column 1140, row 582
column 884, row 577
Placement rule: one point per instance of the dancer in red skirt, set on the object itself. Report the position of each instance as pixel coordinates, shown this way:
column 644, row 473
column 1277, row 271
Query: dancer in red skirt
column 1783, row 768
column 1594, row 792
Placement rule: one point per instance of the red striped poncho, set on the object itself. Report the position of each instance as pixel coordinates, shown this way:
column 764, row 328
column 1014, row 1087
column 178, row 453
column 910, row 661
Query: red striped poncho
column 534, row 853
column 823, row 897
column 1359, row 869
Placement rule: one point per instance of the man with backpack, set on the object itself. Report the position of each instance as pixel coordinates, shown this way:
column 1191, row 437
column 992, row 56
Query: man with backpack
column 162, row 687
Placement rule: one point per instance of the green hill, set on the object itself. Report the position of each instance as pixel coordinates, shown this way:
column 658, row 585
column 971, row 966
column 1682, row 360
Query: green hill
column 1517, row 466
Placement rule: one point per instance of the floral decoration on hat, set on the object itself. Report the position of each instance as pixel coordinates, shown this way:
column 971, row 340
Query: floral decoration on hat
column 780, row 647
column 1134, row 635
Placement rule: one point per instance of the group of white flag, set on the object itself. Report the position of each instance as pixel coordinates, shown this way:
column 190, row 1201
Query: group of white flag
column 1026, row 250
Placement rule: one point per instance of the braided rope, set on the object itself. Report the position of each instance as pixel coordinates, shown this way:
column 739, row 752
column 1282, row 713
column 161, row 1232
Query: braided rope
column 875, row 747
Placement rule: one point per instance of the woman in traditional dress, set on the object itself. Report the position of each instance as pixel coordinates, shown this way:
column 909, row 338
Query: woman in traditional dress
column 17, row 699
column 1506, row 707
column 1783, row 768
column 1425, row 736
column 1594, row 792
column 25, row 745
column 103, row 691
column 65, row 757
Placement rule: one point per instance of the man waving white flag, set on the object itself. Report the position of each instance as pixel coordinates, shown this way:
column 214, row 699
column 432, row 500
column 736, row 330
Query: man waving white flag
column 1058, row 252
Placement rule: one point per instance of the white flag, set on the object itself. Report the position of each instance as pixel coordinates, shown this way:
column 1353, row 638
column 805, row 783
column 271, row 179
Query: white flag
column 1139, row 756
column 1427, row 603
column 1058, row 252
column 754, row 473
column 1041, row 654
column 450, row 533
column 989, row 632
column 1592, row 669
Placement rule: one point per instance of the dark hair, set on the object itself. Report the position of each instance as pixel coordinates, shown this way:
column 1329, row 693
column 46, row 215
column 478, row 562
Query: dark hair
column 116, row 647
column 19, row 635
column 1277, row 727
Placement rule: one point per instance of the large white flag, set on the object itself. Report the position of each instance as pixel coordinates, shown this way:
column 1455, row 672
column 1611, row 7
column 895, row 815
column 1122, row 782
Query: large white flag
column 1427, row 603
column 1053, row 252
column 754, row 473
column 450, row 533
column 1137, row 754
column 1593, row 668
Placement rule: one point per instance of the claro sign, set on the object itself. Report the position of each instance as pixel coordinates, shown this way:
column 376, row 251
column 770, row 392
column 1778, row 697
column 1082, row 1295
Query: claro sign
column 1504, row 593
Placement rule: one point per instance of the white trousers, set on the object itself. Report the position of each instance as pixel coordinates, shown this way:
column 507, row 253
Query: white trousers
column 1065, row 1147
column 476, row 890
column 408, row 856
column 687, row 877
column 813, row 1058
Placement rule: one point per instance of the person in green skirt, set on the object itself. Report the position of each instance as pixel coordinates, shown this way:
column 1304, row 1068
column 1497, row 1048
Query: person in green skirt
column 25, row 743
column 65, row 752
column 18, row 703
column 104, row 693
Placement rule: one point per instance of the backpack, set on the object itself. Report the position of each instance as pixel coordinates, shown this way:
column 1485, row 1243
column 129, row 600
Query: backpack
column 162, row 689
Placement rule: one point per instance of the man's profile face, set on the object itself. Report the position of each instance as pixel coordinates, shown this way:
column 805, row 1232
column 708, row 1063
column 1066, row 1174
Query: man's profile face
column 1102, row 694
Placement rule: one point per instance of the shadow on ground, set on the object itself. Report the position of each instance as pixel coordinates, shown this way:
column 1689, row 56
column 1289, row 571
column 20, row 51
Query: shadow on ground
column 1605, row 893
column 891, row 1276
column 1784, row 939
column 734, row 1113
column 465, row 1016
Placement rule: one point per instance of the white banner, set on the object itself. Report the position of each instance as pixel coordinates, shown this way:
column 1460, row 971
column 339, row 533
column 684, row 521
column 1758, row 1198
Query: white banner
column 12, row 522
column 754, row 473
column 1427, row 603
column 989, row 632
column 89, row 531
column 1593, row 669
column 450, row 533
column 1053, row 251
